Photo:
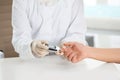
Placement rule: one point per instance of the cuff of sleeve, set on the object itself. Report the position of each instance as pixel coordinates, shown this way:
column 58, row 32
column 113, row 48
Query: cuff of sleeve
column 28, row 54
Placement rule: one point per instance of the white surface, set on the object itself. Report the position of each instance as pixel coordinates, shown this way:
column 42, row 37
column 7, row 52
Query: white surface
column 56, row 68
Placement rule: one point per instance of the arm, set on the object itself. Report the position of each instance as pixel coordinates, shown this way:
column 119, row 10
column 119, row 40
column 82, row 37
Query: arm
column 21, row 38
column 77, row 27
column 76, row 52
column 108, row 55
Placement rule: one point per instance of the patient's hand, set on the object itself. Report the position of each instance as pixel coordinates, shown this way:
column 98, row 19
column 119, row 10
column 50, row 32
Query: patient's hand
column 74, row 51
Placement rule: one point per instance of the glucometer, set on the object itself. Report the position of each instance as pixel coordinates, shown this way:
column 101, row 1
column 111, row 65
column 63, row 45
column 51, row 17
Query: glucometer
column 53, row 48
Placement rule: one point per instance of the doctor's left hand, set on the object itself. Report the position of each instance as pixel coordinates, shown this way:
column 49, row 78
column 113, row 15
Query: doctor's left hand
column 39, row 48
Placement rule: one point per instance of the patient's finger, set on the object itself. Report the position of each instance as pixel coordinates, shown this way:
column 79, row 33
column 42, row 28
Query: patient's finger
column 70, row 44
column 71, row 56
column 68, row 53
column 74, row 59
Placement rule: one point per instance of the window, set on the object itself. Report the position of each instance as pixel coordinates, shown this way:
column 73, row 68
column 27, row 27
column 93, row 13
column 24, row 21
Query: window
column 102, row 8
column 102, row 2
column 103, row 19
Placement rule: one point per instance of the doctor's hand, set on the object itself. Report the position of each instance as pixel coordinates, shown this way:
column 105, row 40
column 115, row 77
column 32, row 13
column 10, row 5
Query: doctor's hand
column 39, row 48
column 74, row 51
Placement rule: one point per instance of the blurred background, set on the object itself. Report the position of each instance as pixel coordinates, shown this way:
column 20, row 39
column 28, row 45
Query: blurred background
column 6, row 29
column 102, row 17
column 103, row 21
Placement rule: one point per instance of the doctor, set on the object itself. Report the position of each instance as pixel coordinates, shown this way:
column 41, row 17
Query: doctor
column 37, row 23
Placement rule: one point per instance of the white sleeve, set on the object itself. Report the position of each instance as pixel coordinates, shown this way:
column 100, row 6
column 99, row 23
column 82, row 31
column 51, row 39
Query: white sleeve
column 77, row 28
column 21, row 38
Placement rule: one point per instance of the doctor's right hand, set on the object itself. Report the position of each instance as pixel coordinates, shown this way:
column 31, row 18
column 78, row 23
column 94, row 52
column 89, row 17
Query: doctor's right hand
column 39, row 48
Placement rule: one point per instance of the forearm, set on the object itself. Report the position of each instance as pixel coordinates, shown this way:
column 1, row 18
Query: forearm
column 107, row 55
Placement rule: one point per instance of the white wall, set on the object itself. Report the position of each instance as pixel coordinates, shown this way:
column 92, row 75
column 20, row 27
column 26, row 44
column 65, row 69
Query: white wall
column 103, row 23
column 89, row 2
column 101, row 1
column 114, row 2
column 107, row 2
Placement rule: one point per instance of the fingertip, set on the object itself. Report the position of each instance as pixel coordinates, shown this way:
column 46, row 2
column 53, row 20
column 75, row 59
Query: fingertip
column 62, row 53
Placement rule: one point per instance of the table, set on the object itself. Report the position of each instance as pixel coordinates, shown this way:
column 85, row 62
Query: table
column 57, row 68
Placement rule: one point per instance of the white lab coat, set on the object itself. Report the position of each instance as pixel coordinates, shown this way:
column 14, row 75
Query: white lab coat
column 61, row 22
